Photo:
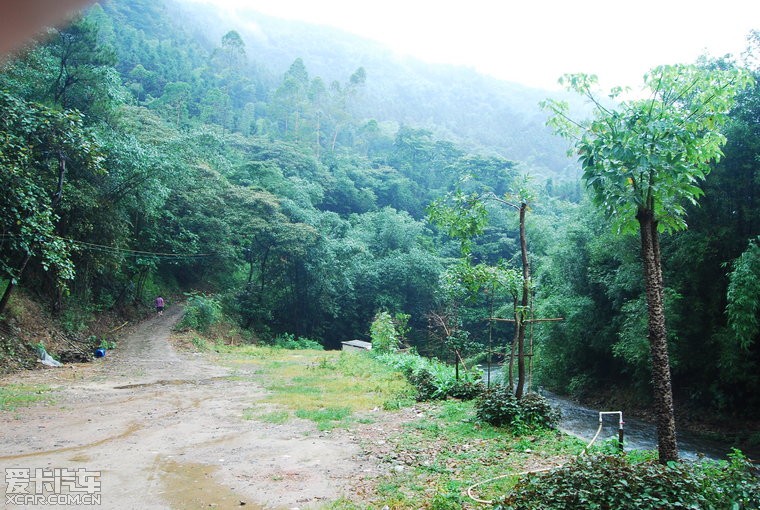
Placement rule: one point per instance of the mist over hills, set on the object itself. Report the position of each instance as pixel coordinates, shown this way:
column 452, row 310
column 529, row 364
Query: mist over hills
column 455, row 103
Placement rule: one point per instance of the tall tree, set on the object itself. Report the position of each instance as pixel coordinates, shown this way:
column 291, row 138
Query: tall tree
column 83, row 72
column 642, row 160
column 36, row 144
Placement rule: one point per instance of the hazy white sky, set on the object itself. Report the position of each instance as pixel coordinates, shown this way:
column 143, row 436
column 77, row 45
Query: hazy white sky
column 536, row 41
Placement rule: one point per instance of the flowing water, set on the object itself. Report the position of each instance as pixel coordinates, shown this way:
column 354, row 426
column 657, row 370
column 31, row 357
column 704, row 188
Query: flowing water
column 637, row 434
column 583, row 422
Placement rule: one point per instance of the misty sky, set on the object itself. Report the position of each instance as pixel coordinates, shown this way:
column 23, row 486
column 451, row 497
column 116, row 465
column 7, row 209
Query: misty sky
column 534, row 42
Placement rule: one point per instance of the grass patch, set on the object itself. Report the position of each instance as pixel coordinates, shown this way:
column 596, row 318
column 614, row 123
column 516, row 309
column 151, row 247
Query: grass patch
column 326, row 418
column 274, row 417
column 436, row 458
column 431, row 461
column 13, row 396
column 200, row 344
column 330, row 388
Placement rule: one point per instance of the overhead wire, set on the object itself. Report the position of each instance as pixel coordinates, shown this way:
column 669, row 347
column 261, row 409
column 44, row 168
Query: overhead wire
column 121, row 251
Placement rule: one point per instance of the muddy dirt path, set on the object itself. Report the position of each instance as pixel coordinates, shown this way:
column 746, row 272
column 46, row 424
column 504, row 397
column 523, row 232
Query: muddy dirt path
column 165, row 429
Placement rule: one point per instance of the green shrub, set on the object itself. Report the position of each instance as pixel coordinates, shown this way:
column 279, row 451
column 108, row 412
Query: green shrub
column 499, row 407
column 536, row 411
column 465, row 388
column 432, row 379
column 423, row 382
column 604, row 481
column 200, row 343
column 734, row 484
column 201, row 312
column 290, row 341
column 383, row 333
column 74, row 318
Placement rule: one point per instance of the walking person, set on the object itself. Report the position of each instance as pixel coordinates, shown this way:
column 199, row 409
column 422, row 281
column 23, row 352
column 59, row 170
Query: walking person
column 160, row 305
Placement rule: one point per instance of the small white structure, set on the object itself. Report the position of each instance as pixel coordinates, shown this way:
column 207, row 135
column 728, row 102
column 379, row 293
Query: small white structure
column 356, row 345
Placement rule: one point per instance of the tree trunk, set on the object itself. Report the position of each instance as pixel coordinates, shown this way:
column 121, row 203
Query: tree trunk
column 525, row 302
column 512, row 349
column 663, row 393
column 9, row 289
column 319, row 141
column 334, row 139
column 61, row 177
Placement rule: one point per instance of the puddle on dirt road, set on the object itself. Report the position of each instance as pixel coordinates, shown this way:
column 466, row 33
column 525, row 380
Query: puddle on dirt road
column 189, row 485
column 170, row 382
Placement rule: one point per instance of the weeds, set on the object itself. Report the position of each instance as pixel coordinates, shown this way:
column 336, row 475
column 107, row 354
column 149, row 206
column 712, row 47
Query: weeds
column 290, row 341
column 330, row 388
column 201, row 312
column 435, row 459
column 614, row 481
column 431, row 461
column 13, row 396
column 433, row 379
column 200, row 344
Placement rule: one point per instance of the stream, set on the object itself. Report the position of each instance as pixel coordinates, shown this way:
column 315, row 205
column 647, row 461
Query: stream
column 583, row 423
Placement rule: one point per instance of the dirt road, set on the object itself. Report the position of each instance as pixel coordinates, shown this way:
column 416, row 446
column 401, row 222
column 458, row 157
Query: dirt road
column 165, row 429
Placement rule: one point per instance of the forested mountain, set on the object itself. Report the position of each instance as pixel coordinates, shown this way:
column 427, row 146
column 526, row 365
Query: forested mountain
column 455, row 103
column 288, row 184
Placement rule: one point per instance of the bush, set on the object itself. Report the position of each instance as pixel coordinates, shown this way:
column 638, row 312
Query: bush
column 290, row 341
column 498, row 406
column 201, row 312
column 465, row 388
column 536, row 411
column 432, row 379
column 604, row 481
column 423, row 382
column 383, row 333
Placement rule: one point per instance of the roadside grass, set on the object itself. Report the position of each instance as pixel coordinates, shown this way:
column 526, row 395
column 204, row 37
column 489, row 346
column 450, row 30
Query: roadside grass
column 13, row 396
column 435, row 459
column 331, row 388
column 428, row 462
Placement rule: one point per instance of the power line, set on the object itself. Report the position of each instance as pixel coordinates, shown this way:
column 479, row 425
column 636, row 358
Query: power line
column 121, row 251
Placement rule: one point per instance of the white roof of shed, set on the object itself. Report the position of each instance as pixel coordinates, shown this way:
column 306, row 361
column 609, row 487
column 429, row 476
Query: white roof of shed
column 358, row 343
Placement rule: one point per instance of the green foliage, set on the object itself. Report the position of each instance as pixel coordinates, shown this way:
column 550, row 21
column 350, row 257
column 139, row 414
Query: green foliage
column 74, row 319
column 200, row 343
column 383, row 333
column 37, row 142
column 651, row 154
column 280, row 194
column 13, row 396
column 201, row 312
column 613, row 482
column 463, row 216
column 642, row 161
column 432, row 379
column 632, row 346
column 102, row 342
column 743, row 308
column 326, row 418
column 463, row 281
column 290, row 341
column 499, row 407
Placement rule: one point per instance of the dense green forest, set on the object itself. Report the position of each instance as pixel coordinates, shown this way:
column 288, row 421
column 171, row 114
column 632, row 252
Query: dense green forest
column 141, row 155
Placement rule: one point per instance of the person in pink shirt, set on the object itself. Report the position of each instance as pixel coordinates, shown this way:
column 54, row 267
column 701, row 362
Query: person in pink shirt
column 160, row 305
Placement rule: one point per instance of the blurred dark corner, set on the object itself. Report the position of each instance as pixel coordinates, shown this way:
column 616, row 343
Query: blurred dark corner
column 21, row 20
